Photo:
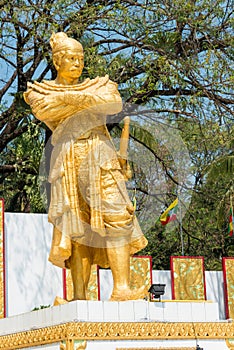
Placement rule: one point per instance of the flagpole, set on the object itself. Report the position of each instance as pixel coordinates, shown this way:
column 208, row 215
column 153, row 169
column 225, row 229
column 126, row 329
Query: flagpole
column 231, row 199
column 167, row 216
column 180, row 225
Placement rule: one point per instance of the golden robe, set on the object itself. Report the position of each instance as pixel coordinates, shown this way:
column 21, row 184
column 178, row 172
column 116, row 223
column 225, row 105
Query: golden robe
column 89, row 201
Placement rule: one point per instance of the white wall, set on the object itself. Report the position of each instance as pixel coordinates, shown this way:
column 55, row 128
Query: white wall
column 33, row 281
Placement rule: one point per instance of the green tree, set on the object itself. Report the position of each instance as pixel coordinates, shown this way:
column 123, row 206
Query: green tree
column 19, row 171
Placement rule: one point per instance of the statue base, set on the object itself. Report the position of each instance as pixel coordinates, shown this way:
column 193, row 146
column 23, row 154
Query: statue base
column 95, row 325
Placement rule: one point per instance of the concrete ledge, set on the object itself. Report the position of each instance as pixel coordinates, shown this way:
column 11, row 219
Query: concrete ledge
column 109, row 311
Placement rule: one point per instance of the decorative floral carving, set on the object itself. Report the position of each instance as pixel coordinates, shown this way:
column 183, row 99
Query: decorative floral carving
column 188, row 278
column 92, row 291
column 73, row 344
column 77, row 331
column 161, row 348
column 229, row 269
column 230, row 343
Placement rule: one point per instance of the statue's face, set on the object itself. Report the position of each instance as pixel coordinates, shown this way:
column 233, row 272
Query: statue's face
column 71, row 65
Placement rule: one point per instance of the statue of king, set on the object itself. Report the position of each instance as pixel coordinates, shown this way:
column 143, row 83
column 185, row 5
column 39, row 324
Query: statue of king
column 92, row 215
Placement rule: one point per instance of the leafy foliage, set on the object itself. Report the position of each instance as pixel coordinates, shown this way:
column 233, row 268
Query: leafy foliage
column 172, row 57
column 19, row 171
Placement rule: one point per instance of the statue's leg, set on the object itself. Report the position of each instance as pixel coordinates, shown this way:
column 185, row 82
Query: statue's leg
column 118, row 216
column 119, row 260
column 80, row 263
column 77, row 273
column 86, row 273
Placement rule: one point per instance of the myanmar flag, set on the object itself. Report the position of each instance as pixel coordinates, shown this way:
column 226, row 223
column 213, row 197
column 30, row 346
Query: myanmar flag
column 170, row 213
column 231, row 219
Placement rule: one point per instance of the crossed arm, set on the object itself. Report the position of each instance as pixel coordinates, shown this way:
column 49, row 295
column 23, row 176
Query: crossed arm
column 53, row 106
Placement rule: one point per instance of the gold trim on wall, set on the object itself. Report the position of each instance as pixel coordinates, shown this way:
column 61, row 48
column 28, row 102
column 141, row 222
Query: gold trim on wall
column 188, row 278
column 73, row 344
column 230, row 344
column 92, row 291
column 161, row 348
column 140, row 272
column 229, row 276
column 117, row 331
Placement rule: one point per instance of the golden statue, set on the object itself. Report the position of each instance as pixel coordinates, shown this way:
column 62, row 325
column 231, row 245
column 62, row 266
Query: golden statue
column 92, row 215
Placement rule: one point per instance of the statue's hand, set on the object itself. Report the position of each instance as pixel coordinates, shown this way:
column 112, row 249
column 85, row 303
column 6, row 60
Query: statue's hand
column 37, row 88
column 48, row 101
column 77, row 98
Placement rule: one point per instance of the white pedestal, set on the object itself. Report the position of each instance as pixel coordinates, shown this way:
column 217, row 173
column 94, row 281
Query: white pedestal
column 109, row 311
column 112, row 325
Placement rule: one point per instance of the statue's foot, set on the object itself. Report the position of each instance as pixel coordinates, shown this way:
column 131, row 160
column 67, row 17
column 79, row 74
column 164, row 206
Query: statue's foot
column 60, row 301
column 129, row 294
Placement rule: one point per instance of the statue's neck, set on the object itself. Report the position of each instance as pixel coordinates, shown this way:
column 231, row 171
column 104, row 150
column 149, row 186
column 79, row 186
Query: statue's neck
column 65, row 81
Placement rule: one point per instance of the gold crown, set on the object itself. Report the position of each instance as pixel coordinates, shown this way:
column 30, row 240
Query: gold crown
column 60, row 41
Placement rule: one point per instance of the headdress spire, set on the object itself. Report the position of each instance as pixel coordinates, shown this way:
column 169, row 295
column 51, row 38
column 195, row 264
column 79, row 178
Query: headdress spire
column 60, row 41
